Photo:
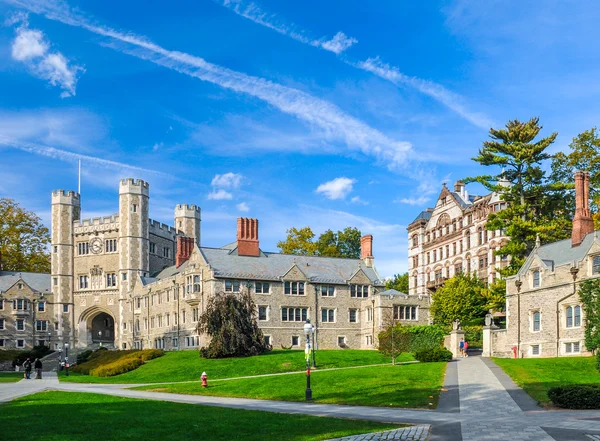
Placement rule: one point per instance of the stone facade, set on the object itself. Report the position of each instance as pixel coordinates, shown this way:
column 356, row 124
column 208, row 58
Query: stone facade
column 126, row 281
column 452, row 238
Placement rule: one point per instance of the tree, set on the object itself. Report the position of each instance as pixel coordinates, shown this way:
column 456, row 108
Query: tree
column 589, row 293
column 495, row 295
column 345, row 243
column 399, row 282
column 230, row 321
column 461, row 297
column 535, row 203
column 24, row 239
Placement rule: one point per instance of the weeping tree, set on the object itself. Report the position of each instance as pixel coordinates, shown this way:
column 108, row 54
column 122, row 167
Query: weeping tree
column 230, row 321
column 589, row 293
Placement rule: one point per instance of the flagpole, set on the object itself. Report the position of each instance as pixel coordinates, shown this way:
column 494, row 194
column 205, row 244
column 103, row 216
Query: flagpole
column 79, row 178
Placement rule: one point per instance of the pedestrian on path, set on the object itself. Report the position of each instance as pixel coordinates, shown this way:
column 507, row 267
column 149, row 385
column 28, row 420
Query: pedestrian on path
column 27, row 367
column 38, row 369
column 466, row 348
column 461, row 347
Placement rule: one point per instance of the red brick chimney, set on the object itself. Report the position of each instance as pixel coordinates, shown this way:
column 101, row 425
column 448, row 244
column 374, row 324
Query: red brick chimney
column 185, row 246
column 582, row 221
column 247, row 237
column 366, row 249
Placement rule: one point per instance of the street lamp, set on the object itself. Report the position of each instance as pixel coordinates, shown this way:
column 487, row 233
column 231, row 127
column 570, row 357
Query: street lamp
column 67, row 359
column 308, row 330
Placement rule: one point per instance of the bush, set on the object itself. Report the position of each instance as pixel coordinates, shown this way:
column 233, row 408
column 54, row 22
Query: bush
column 151, row 354
column 101, row 358
column 118, row 367
column 84, row 356
column 598, row 361
column 576, row 396
column 411, row 338
column 18, row 357
column 433, row 355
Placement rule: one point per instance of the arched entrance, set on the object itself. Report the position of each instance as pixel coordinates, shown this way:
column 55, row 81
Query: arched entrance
column 97, row 328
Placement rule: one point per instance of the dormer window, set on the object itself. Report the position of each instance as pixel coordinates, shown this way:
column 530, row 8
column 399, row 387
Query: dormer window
column 536, row 278
column 596, row 265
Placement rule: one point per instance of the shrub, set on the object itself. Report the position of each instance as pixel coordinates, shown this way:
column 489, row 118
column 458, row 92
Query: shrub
column 102, row 359
column 151, row 354
column 433, row 355
column 598, row 361
column 84, row 356
column 118, row 367
column 576, row 396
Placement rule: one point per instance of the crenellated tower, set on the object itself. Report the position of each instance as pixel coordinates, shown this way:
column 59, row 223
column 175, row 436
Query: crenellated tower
column 66, row 209
column 187, row 221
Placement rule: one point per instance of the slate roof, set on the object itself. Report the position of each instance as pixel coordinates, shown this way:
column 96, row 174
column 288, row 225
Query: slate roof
column 393, row 293
column 561, row 252
column 273, row 266
column 37, row 281
column 426, row 215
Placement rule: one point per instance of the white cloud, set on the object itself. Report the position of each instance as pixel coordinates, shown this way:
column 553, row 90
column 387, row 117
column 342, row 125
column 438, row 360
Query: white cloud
column 438, row 92
column 243, row 207
column 331, row 119
column 219, row 195
column 227, row 180
column 339, row 43
column 31, row 48
column 339, row 188
column 421, row 200
column 358, row 200
column 157, row 146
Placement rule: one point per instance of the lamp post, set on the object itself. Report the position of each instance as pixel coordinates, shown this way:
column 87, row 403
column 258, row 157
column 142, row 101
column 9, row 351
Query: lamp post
column 67, row 359
column 308, row 330
column 59, row 359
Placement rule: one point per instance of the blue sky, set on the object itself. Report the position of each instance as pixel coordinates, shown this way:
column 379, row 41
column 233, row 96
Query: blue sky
column 328, row 114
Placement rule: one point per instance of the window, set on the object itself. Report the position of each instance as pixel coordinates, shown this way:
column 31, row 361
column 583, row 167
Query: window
column 145, row 323
column 596, row 265
column 41, row 306
column 572, row 348
column 536, row 321
column 189, row 284
column 110, row 245
column 402, row 312
column 232, row 286
column 195, row 314
column 342, row 341
column 168, row 319
column 353, row 315
column 137, row 326
column 327, row 315
column 159, row 319
column 573, row 316
column 359, row 291
column 111, row 279
column 294, row 314
column 458, row 269
column 20, row 325
column 176, row 342
column 138, row 302
column 1, row 304
column 20, row 304
column 369, row 314
column 41, row 325
column 166, row 252
column 535, row 350
column 20, row 343
column 267, row 340
column 83, row 248
column 152, row 248
column 294, row 288
column 1, row 323
column 196, row 283
column 1, row 342
column 55, row 248
column 55, row 281
column 56, row 326
column 326, row 290
column 369, row 340
column 415, row 240
column 295, row 340
column 124, row 276
column 263, row 313
column 134, row 208
column 183, row 317
column 65, row 308
column 536, row 279
column 83, row 282
column 261, row 287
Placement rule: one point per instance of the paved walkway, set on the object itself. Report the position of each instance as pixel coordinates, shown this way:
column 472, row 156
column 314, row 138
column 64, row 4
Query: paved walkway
column 487, row 411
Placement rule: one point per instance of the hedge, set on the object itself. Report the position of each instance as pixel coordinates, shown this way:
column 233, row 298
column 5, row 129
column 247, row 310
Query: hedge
column 576, row 396
column 104, row 363
column 433, row 355
column 118, row 367
column 18, row 357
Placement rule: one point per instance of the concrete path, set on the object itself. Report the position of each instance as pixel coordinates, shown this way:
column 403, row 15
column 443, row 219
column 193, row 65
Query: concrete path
column 487, row 411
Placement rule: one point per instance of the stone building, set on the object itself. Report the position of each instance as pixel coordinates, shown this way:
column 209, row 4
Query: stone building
column 451, row 237
column 545, row 317
column 126, row 281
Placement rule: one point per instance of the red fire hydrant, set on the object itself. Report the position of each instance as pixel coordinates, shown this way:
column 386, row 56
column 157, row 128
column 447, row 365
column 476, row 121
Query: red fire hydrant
column 204, row 379
column 514, row 349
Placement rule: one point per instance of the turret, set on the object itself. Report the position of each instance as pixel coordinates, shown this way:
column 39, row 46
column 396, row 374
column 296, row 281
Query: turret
column 187, row 221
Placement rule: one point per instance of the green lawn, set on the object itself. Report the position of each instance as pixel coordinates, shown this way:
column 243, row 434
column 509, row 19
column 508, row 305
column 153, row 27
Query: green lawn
column 409, row 386
column 187, row 365
column 10, row 377
column 65, row 416
column 537, row 375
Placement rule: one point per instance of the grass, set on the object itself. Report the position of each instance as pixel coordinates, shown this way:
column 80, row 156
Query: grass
column 187, row 366
column 409, row 386
column 538, row 375
column 10, row 377
column 66, row 416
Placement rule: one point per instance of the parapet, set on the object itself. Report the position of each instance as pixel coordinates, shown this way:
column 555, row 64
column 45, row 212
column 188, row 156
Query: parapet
column 134, row 186
column 105, row 223
column 66, row 197
column 161, row 229
column 187, row 210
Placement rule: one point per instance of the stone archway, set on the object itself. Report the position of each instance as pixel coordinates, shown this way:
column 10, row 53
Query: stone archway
column 97, row 328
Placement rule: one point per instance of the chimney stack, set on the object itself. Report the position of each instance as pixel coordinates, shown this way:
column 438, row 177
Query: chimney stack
column 366, row 250
column 582, row 221
column 185, row 246
column 247, row 237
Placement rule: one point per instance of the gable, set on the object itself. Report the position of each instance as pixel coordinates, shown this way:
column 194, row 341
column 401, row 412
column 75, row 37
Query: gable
column 359, row 278
column 294, row 273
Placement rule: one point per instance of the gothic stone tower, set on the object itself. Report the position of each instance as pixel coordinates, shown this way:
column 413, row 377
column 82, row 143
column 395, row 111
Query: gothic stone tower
column 133, row 239
column 65, row 211
column 187, row 221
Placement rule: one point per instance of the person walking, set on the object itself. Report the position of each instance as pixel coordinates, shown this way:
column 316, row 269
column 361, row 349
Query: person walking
column 461, row 347
column 27, row 367
column 466, row 348
column 38, row 369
